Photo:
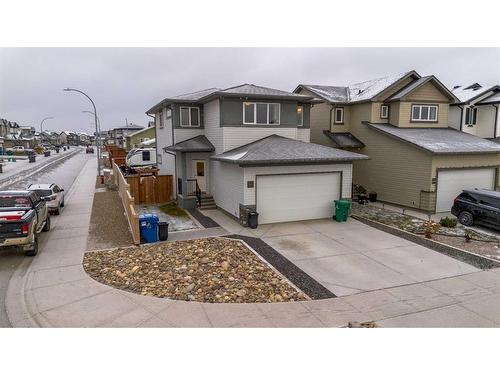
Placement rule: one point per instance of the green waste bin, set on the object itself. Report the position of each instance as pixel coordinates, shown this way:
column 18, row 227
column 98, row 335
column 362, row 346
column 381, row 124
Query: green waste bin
column 342, row 207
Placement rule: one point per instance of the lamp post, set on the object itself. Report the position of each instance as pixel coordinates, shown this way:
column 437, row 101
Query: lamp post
column 95, row 120
column 43, row 120
column 98, row 122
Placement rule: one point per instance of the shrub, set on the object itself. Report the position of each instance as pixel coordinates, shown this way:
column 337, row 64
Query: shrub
column 430, row 227
column 448, row 222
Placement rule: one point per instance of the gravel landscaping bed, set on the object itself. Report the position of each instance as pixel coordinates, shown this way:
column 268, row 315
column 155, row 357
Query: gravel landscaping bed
column 108, row 224
column 414, row 225
column 480, row 243
column 204, row 270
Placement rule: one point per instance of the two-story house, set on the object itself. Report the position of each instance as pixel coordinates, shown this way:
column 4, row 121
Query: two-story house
column 476, row 111
column 248, row 147
column 401, row 123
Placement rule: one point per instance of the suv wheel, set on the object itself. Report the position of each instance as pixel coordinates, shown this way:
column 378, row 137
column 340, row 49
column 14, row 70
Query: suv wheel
column 466, row 218
column 46, row 227
column 34, row 250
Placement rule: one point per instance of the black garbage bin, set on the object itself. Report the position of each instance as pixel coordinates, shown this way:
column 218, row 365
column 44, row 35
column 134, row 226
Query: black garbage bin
column 46, row 153
column 1, row 168
column 31, row 158
column 253, row 219
column 163, row 231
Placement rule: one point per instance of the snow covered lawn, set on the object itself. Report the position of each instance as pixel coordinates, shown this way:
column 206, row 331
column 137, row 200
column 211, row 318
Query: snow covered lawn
column 177, row 218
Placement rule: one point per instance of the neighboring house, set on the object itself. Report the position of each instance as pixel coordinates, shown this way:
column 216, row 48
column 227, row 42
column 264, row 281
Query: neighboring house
column 118, row 135
column 401, row 123
column 135, row 139
column 248, row 147
column 83, row 138
column 476, row 111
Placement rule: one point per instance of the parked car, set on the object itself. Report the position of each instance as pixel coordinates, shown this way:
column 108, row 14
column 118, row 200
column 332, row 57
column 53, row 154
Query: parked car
column 52, row 194
column 23, row 215
column 89, row 150
column 141, row 157
column 478, row 206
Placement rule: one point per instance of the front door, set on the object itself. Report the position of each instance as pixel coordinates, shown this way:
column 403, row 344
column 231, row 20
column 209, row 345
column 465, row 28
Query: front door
column 199, row 170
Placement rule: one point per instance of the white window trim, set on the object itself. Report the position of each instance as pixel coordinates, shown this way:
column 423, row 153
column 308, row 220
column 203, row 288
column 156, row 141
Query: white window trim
column 190, row 122
column 472, row 109
column 420, row 112
column 255, row 114
column 382, row 107
column 162, row 122
column 301, row 124
column 341, row 109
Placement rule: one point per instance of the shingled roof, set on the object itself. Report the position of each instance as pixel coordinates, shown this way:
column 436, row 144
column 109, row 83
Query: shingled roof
column 440, row 141
column 199, row 143
column 276, row 150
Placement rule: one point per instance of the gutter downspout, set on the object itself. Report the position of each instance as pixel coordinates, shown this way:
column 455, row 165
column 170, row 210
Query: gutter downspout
column 330, row 121
column 496, row 119
column 461, row 117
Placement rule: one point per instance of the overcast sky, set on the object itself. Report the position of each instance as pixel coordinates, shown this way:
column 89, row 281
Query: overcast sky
column 125, row 82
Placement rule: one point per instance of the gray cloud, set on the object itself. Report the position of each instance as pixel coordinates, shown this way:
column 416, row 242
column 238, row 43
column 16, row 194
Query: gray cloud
column 125, row 82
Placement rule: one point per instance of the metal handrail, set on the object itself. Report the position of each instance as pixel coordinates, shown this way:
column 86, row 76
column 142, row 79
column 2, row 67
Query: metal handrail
column 196, row 191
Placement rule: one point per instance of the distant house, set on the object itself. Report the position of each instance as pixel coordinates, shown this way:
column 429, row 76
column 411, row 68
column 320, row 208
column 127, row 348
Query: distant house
column 117, row 136
column 401, row 123
column 476, row 111
column 137, row 138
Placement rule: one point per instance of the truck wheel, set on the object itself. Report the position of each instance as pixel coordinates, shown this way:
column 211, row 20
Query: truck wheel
column 466, row 218
column 62, row 203
column 34, row 250
column 46, row 227
column 58, row 211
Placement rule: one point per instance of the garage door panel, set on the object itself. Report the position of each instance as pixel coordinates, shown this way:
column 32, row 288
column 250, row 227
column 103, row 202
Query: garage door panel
column 452, row 182
column 283, row 198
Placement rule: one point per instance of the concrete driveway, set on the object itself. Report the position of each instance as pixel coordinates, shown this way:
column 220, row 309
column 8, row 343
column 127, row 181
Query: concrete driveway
column 350, row 258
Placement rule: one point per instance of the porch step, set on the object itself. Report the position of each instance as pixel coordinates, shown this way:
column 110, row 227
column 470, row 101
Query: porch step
column 207, row 203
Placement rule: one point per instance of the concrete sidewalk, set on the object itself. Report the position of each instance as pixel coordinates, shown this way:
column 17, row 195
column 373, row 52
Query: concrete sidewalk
column 55, row 291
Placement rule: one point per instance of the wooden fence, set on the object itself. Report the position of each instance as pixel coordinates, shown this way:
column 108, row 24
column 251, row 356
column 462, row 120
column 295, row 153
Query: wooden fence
column 150, row 189
column 128, row 203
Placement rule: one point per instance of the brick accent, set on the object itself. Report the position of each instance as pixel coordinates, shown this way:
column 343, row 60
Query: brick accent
column 244, row 210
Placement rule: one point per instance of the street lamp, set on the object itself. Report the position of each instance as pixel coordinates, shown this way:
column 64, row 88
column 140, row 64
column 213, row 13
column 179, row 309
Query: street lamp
column 95, row 120
column 98, row 119
column 41, row 123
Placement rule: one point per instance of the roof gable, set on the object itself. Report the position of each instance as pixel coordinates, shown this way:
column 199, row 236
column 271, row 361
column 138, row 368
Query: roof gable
column 417, row 84
column 469, row 93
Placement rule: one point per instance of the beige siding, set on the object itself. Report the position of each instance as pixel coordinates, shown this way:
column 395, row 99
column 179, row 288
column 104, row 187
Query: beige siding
column 239, row 136
column 345, row 127
column 405, row 116
column 375, row 116
column 396, row 171
column 252, row 172
column 303, row 134
column 320, row 118
column 394, row 113
column 428, row 91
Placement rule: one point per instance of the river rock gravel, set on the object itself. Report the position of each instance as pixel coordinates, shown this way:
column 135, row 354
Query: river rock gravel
column 214, row 270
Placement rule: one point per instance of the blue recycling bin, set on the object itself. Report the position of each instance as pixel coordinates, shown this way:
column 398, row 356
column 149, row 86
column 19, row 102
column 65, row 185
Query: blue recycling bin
column 148, row 224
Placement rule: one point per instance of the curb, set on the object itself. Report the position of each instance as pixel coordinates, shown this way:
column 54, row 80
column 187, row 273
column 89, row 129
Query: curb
column 475, row 260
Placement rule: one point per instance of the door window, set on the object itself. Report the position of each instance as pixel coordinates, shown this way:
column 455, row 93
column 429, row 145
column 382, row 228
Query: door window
column 200, row 169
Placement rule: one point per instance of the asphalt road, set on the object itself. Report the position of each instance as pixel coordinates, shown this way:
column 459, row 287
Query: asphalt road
column 63, row 174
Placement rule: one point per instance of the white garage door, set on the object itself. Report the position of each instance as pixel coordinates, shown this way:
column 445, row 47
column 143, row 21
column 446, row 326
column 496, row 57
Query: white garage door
column 294, row 197
column 451, row 183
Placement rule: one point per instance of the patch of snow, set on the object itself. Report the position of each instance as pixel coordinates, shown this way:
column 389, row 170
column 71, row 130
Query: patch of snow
column 236, row 156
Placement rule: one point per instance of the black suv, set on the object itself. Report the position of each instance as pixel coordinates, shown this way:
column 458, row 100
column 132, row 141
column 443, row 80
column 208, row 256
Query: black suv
column 478, row 206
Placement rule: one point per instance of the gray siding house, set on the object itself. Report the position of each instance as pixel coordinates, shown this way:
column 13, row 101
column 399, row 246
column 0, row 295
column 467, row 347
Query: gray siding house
column 247, row 148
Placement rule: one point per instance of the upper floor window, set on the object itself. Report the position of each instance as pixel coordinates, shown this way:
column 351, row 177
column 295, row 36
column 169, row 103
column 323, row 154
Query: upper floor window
column 470, row 116
column 190, row 117
column 384, row 111
column 300, row 115
column 339, row 115
column 168, row 113
column 261, row 113
column 424, row 113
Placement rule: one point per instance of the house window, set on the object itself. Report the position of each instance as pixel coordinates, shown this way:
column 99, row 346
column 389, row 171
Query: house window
column 190, row 117
column 470, row 116
column 300, row 115
column 339, row 115
column 146, row 156
column 384, row 111
column 261, row 113
column 424, row 113
column 169, row 113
